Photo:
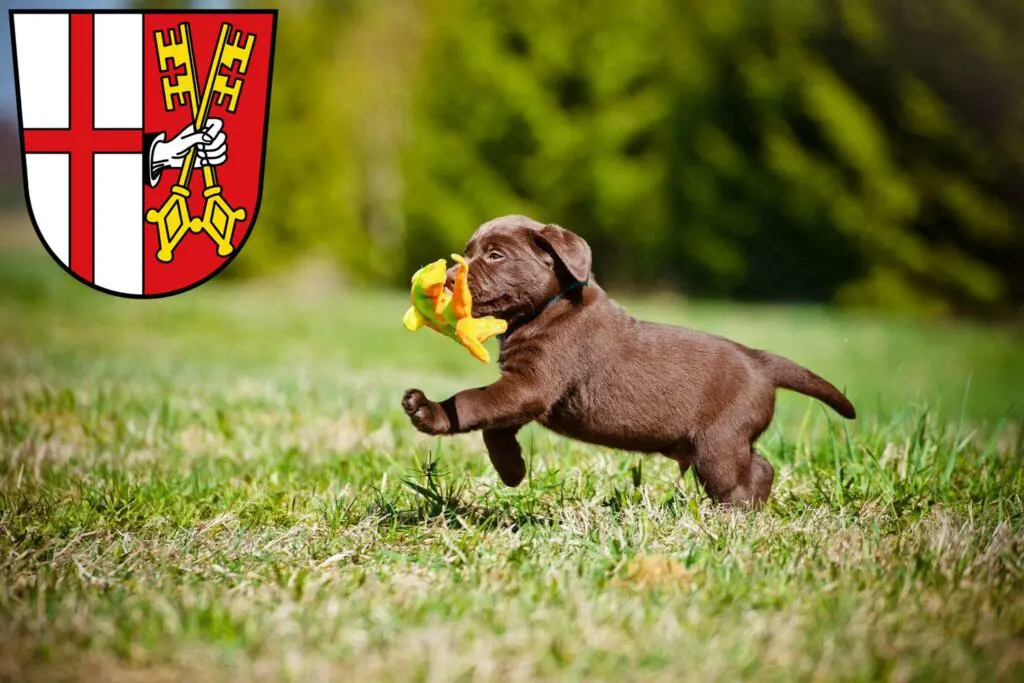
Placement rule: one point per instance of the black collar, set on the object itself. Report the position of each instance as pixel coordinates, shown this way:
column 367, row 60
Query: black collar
column 519, row 323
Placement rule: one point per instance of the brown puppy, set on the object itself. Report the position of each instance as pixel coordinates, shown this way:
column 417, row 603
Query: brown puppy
column 574, row 361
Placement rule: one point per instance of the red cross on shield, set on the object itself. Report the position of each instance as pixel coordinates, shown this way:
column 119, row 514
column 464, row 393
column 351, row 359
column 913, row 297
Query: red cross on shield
column 143, row 140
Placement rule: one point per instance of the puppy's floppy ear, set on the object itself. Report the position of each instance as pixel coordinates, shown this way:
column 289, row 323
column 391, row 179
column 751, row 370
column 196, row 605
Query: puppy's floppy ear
column 568, row 248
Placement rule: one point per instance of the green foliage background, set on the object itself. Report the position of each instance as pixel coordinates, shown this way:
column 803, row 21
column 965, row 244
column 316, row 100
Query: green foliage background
column 865, row 152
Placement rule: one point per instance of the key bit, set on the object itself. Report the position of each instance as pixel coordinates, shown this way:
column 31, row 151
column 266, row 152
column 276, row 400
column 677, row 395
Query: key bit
column 227, row 87
column 174, row 52
column 235, row 52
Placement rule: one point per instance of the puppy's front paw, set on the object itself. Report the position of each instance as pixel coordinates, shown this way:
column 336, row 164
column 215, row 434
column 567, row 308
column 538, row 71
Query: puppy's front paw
column 425, row 415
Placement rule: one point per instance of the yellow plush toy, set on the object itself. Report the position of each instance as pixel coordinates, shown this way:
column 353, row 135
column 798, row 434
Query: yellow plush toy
column 449, row 313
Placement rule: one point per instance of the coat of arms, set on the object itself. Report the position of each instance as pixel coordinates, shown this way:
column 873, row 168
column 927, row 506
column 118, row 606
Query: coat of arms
column 143, row 138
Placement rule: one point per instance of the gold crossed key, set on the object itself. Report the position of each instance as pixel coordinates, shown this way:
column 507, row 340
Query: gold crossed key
column 173, row 220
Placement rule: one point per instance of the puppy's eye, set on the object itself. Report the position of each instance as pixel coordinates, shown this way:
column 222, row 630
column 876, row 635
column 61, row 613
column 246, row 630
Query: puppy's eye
column 495, row 255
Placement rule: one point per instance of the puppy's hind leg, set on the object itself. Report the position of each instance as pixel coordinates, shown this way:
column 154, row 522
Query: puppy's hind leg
column 506, row 454
column 733, row 473
column 762, row 476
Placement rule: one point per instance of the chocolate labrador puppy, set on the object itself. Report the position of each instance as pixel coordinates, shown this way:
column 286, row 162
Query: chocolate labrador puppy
column 576, row 362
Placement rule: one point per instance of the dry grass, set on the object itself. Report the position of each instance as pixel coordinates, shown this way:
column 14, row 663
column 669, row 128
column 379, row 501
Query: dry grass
column 223, row 487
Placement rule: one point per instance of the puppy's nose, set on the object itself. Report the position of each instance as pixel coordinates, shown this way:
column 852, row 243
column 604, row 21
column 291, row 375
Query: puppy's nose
column 449, row 281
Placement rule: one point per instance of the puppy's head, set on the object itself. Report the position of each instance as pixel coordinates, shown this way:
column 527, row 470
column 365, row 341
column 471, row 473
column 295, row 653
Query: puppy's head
column 517, row 264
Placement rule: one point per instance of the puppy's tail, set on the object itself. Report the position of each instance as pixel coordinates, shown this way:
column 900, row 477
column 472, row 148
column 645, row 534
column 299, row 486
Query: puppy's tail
column 788, row 375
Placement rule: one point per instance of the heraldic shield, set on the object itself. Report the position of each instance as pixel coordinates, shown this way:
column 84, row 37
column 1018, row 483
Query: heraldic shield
column 143, row 140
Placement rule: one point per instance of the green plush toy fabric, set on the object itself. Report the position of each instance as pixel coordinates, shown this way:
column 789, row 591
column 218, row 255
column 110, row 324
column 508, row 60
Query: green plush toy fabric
column 449, row 313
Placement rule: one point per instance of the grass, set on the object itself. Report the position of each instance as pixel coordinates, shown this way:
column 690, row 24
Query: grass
column 222, row 486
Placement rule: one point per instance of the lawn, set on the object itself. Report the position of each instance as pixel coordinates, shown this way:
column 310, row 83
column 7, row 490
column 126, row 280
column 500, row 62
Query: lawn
column 223, row 486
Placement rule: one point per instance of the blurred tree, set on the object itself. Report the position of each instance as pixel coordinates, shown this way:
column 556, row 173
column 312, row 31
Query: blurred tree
column 747, row 228
column 916, row 178
column 542, row 107
column 793, row 150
